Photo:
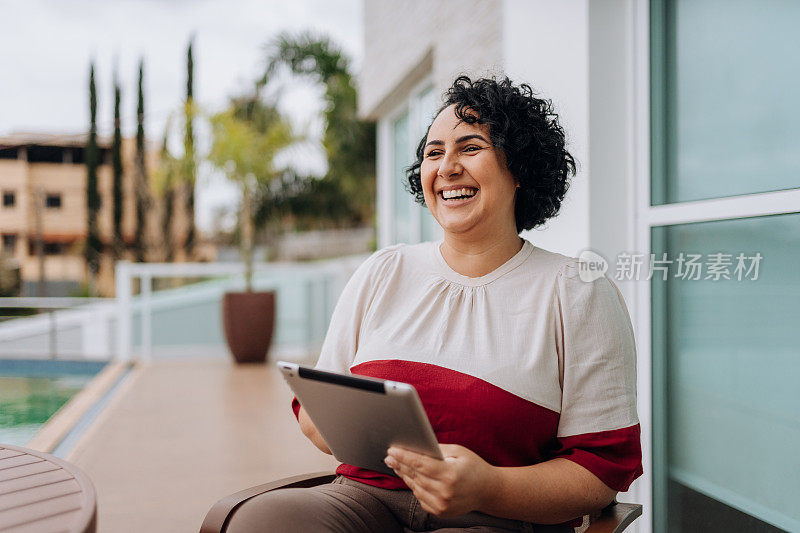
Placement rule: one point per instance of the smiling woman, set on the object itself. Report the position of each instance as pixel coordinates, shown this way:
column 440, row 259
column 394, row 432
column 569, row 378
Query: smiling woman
column 526, row 372
column 521, row 131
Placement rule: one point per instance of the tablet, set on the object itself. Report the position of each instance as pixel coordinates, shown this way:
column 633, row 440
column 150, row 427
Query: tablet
column 360, row 417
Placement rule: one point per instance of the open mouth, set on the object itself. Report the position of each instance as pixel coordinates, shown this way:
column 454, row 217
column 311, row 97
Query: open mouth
column 465, row 193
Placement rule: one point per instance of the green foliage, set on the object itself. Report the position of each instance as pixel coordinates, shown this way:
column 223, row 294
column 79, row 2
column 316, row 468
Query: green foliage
column 83, row 291
column 10, row 277
column 141, row 179
column 349, row 142
column 117, row 183
column 310, row 203
column 93, row 246
column 189, row 156
column 246, row 137
column 245, row 146
column 140, row 109
column 167, row 178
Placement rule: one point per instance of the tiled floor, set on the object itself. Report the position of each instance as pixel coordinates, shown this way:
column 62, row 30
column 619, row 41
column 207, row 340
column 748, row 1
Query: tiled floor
column 183, row 433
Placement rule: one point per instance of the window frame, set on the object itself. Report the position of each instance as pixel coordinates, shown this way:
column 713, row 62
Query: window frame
column 386, row 186
column 649, row 153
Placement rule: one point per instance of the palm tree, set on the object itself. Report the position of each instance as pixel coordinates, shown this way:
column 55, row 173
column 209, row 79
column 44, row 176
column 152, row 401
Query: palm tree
column 246, row 137
column 349, row 142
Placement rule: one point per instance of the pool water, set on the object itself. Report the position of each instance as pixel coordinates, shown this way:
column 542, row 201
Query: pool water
column 32, row 391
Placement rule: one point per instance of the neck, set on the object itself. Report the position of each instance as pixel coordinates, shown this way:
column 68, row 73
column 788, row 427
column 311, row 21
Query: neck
column 473, row 257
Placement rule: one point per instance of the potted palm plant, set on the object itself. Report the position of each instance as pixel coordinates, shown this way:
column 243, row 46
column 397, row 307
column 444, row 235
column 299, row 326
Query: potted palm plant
column 246, row 137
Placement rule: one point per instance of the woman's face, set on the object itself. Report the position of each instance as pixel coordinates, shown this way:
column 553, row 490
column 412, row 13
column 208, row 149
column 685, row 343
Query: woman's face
column 460, row 156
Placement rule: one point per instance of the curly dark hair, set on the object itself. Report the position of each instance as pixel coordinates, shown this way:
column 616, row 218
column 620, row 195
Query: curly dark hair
column 526, row 129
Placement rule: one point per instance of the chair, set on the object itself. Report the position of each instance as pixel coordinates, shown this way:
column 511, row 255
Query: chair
column 613, row 519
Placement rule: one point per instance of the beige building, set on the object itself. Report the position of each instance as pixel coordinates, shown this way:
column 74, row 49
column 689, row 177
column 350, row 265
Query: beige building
column 43, row 189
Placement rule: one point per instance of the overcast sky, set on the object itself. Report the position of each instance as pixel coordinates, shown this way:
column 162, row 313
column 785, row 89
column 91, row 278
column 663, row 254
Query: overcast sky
column 48, row 45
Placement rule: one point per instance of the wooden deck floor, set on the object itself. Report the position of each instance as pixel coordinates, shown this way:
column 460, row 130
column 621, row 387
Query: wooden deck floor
column 183, row 433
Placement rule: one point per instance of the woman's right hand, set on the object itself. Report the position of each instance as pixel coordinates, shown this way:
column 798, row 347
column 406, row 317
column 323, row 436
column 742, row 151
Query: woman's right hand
column 308, row 429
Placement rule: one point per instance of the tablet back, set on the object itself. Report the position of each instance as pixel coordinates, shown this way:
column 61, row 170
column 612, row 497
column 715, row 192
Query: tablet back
column 359, row 417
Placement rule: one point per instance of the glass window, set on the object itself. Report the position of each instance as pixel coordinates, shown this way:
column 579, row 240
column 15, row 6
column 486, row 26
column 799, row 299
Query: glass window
column 425, row 108
column 412, row 222
column 9, row 199
column 54, row 248
column 726, row 368
column 52, row 201
column 401, row 152
column 725, row 81
column 9, row 242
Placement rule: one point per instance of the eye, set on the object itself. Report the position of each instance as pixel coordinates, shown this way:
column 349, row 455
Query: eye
column 472, row 148
column 433, row 153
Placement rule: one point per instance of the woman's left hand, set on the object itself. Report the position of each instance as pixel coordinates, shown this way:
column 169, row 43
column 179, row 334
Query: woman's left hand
column 450, row 487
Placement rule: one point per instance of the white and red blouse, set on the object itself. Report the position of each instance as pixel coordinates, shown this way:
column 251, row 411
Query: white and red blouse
column 522, row 365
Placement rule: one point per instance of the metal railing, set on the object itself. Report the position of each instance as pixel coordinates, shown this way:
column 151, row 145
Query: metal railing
column 33, row 327
column 145, row 323
column 307, row 293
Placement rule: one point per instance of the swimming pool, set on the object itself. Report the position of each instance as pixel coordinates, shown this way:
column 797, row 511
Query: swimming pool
column 31, row 391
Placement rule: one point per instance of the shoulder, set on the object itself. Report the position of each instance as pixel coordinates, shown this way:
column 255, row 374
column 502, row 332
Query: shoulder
column 576, row 278
column 552, row 264
column 380, row 262
column 385, row 255
column 398, row 254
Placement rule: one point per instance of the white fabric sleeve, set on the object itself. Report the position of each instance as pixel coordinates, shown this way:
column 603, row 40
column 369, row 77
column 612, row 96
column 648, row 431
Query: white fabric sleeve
column 597, row 356
column 341, row 341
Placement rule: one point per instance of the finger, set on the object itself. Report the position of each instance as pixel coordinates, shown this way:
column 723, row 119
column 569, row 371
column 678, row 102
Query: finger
column 400, row 469
column 431, row 485
column 405, row 471
column 434, row 488
column 427, row 499
column 416, row 461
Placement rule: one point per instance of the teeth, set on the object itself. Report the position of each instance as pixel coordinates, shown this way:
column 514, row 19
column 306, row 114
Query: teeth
column 458, row 192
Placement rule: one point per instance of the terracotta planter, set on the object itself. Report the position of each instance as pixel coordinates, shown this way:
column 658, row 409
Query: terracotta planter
column 248, row 319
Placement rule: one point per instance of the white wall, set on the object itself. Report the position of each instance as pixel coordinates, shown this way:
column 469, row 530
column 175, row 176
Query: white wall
column 611, row 131
column 582, row 55
column 545, row 44
column 406, row 41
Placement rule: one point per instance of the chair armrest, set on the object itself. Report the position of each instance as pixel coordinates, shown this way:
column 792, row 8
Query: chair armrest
column 615, row 518
column 216, row 519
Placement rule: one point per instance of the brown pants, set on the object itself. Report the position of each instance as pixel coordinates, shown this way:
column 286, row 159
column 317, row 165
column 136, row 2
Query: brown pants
column 351, row 506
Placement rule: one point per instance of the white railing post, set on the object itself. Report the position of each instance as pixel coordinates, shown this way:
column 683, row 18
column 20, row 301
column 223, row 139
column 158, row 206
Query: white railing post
column 313, row 314
column 147, row 318
column 53, row 334
column 124, row 310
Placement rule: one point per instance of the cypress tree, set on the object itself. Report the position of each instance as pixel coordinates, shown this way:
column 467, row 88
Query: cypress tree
column 189, row 165
column 93, row 246
column 117, row 184
column 142, row 193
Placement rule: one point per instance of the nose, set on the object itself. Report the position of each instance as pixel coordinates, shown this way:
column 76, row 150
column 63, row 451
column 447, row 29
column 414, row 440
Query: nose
column 450, row 166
